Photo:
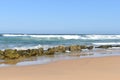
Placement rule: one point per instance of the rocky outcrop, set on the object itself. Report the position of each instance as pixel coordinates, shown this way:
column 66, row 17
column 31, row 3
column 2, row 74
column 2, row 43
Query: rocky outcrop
column 60, row 49
column 83, row 47
column 15, row 54
column 50, row 51
column 74, row 48
column 35, row 52
column 1, row 55
column 104, row 46
column 11, row 54
column 90, row 47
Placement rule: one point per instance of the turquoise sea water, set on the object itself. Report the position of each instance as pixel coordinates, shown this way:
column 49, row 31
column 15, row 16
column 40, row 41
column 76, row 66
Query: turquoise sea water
column 31, row 41
column 24, row 41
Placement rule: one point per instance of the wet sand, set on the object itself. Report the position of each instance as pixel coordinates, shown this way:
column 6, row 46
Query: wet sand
column 100, row 68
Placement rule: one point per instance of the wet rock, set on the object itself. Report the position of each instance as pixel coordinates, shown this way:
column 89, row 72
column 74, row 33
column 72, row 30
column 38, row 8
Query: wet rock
column 104, row 46
column 90, row 47
column 50, row 51
column 11, row 54
column 1, row 52
column 41, row 51
column 1, row 55
column 36, row 52
column 115, row 45
column 23, row 53
column 75, row 48
column 83, row 47
column 60, row 49
column 33, row 52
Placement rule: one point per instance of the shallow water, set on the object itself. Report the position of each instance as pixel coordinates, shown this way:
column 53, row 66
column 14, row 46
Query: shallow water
column 29, row 41
column 67, row 56
column 34, row 41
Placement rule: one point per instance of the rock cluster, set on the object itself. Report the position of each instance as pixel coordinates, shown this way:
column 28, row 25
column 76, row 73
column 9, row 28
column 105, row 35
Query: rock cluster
column 16, row 54
column 104, row 46
column 107, row 46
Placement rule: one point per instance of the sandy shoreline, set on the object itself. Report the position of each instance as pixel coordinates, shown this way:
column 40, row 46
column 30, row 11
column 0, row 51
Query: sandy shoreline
column 103, row 68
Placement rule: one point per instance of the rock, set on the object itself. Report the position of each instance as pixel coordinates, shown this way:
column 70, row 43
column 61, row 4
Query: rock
column 41, row 51
column 33, row 52
column 90, row 47
column 60, row 49
column 1, row 52
column 104, row 46
column 115, row 45
column 67, row 48
column 83, row 47
column 75, row 48
column 50, row 51
column 11, row 54
column 36, row 52
column 23, row 53
column 1, row 55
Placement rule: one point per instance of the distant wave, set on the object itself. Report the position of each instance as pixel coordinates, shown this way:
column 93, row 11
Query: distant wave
column 33, row 47
column 44, row 36
column 45, row 47
column 14, row 35
column 94, row 37
column 84, row 37
column 109, row 43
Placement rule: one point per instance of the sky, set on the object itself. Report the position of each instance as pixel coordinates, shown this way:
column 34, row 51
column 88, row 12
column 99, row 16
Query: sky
column 60, row 16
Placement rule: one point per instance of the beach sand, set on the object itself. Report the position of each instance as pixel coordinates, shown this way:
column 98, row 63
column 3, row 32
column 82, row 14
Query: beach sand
column 102, row 68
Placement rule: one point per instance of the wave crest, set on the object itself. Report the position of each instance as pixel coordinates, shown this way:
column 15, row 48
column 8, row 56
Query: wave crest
column 44, row 36
column 84, row 37
column 109, row 43
column 45, row 47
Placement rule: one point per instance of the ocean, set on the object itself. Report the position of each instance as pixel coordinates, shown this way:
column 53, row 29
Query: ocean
column 34, row 41
column 29, row 41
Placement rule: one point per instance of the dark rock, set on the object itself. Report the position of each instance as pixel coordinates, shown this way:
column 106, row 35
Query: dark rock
column 24, row 53
column 115, row 45
column 50, row 51
column 1, row 55
column 60, row 49
column 41, row 51
column 33, row 52
column 75, row 48
column 1, row 52
column 11, row 54
column 36, row 52
column 83, row 47
column 104, row 46
column 90, row 47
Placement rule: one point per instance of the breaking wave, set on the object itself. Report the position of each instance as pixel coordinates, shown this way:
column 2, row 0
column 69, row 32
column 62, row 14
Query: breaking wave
column 109, row 43
column 84, row 37
column 44, row 36
column 45, row 47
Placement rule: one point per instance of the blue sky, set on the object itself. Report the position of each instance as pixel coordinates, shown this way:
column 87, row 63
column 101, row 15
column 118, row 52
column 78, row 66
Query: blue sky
column 60, row 16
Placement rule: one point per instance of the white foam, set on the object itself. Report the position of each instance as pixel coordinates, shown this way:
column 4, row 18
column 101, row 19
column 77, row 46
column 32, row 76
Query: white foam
column 43, row 61
column 93, row 37
column 14, row 35
column 110, row 43
column 44, row 36
column 45, row 47
column 4, row 65
column 57, row 36
column 96, row 37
